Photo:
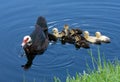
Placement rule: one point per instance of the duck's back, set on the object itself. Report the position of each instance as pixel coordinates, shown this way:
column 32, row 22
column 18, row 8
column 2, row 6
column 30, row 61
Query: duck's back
column 39, row 40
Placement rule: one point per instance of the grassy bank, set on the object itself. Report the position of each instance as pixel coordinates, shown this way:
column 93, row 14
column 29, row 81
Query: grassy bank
column 104, row 71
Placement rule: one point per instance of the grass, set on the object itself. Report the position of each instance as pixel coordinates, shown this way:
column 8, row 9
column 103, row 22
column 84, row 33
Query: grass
column 103, row 71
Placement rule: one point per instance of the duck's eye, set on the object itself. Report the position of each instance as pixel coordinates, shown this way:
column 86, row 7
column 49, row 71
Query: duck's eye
column 30, row 42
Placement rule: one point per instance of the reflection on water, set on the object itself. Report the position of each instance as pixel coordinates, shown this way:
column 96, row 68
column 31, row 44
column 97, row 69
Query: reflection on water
column 18, row 19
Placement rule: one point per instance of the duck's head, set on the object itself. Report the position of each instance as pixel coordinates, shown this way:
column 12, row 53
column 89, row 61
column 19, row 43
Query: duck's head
column 97, row 34
column 66, row 27
column 26, row 41
column 55, row 30
column 86, row 34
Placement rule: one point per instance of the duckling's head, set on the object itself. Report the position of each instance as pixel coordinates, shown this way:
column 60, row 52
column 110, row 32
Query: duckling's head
column 62, row 33
column 72, row 31
column 55, row 30
column 86, row 34
column 97, row 34
column 77, row 38
column 66, row 27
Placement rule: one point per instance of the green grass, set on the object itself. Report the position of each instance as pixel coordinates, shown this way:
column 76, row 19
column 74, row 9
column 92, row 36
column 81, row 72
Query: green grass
column 103, row 71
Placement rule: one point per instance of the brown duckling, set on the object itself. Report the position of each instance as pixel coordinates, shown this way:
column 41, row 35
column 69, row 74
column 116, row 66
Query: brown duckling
column 66, row 39
column 77, row 31
column 72, row 32
column 52, row 38
column 66, row 29
column 80, row 41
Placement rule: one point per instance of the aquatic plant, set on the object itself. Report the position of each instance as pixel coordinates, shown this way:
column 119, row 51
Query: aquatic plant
column 103, row 71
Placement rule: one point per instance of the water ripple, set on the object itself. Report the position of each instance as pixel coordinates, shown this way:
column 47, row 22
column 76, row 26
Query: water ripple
column 17, row 20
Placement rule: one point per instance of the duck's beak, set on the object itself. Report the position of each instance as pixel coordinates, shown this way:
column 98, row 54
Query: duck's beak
column 23, row 44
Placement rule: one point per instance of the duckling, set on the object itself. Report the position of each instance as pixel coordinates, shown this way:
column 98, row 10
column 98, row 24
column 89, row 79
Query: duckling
column 66, row 39
column 62, row 34
column 72, row 32
column 80, row 41
column 62, row 39
column 56, row 32
column 102, row 38
column 66, row 29
column 91, row 39
column 52, row 38
column 77, row 31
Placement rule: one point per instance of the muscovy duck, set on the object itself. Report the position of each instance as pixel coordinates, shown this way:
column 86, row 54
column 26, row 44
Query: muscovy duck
column 37, row 42
column 80, row 41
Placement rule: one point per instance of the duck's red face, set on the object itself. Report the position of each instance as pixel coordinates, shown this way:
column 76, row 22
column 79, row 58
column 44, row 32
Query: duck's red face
column 26, row 40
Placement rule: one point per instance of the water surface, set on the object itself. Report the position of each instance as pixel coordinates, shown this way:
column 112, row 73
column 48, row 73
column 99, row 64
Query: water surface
column 18, row 17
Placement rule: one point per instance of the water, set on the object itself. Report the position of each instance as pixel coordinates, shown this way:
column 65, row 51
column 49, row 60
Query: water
column 18, row 17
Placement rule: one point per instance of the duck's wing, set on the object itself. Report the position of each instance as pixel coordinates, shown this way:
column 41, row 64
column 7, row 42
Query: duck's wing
column 39, row 39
